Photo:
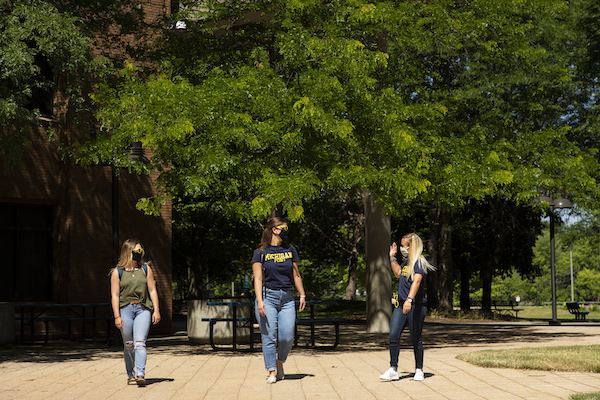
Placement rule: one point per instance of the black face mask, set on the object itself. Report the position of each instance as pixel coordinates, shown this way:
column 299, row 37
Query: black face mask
column 283, row 235
column 135, row 256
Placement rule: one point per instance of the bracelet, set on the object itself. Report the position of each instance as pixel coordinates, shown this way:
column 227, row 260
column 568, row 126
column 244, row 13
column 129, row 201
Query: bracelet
column 393, row 259
column 118, row 317
column 302, row 295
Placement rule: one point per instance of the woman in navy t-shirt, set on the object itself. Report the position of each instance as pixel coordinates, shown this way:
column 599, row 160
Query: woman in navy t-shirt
column 275, row 306
column 412, row 304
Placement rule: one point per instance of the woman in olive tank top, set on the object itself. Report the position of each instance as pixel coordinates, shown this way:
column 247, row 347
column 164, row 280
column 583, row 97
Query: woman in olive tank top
column 135, row 305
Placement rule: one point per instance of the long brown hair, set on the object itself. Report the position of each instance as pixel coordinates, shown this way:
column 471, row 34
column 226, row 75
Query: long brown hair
column 126, row 250
column 268, row 232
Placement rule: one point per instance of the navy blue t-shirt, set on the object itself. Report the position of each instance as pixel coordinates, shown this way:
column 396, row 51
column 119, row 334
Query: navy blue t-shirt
column 404, row 283
column 278, row 266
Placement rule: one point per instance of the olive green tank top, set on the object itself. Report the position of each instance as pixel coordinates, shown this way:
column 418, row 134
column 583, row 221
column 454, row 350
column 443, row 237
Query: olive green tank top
column 134, row 287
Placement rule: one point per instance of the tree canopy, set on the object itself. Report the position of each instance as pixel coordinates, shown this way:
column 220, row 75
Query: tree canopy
column 37, row 43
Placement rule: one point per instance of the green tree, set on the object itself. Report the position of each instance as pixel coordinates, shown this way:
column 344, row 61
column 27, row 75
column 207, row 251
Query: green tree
column 39, row 46
column 272, row 103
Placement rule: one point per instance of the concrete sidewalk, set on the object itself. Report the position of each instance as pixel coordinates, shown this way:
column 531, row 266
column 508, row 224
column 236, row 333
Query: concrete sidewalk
column 179, row 370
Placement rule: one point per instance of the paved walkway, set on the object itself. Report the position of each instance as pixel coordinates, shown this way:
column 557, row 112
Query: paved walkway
column 178, row 370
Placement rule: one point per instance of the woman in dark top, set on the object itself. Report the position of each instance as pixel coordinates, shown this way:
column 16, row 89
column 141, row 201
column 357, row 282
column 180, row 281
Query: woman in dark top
column 135, row 304
column 412, row 304
column 275, row 305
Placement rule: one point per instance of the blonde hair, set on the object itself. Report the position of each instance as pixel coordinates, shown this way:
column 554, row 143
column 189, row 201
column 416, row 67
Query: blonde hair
column 415, row 253
column 126, row 256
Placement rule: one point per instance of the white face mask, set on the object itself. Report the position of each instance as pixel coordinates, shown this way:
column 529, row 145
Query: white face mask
column 404, row 251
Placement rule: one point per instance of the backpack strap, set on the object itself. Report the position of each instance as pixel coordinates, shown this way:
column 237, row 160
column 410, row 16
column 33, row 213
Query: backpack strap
column 144, row 267
column 263, row 252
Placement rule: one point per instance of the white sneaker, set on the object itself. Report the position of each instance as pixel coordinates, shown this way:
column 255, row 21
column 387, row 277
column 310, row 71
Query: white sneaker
column 419, row 376
column 271, row 379
column 390, row 375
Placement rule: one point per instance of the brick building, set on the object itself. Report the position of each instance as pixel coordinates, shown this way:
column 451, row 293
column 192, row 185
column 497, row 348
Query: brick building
column 56, row 224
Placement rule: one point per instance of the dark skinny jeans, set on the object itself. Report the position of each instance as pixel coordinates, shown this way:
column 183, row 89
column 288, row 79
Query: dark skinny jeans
column 415, row 319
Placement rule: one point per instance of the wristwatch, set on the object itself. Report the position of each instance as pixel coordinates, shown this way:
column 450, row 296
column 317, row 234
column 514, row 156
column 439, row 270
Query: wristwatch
column 409, row 299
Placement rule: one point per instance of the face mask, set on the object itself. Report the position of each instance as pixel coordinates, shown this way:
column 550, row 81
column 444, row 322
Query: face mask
column 404, row 251
column 136, row 256
column 283, row 235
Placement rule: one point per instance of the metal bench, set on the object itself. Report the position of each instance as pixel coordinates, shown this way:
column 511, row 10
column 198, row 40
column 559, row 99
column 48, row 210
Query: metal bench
column 319, row 321
column 575, row 310
column 247, row 323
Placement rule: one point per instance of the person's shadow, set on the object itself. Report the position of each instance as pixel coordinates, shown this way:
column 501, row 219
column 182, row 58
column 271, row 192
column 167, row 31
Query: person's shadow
column 293, row 377
column 151, row 381
column 409, row 375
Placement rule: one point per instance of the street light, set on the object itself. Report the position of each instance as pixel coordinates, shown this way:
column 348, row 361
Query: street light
column 570, row 247
column 561, row 202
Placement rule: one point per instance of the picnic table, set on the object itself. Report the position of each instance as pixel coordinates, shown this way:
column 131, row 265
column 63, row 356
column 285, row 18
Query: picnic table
column 312, row 321
column 234, row 319
column 248, row 322
column 30, row 313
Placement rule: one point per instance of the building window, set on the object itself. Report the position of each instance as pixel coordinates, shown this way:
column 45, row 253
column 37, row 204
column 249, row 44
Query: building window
column 26, row 249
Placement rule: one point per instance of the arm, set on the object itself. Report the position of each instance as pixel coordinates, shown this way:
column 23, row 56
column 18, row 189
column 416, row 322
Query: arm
column 153, row 296
column 414, row 288
column 299, row 287
column 258, row 288
column 396, row 268
column 115, row 291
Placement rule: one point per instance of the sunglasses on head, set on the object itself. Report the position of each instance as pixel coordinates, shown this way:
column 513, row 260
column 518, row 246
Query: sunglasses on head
column 140, row 251
column 282, row 227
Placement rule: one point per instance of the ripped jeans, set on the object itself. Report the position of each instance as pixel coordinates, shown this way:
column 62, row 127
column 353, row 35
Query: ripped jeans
column 136, row 325
column 277, row 326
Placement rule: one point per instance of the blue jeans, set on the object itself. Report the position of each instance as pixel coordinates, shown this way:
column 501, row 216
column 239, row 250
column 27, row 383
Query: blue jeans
column 277, row 326
column 415, row 319
column 136, row 325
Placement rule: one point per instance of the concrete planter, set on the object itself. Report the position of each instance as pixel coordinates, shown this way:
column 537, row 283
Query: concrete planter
column 198, row 330
column 7, row 323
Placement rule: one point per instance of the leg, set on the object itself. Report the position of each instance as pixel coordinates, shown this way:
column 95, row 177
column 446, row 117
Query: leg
column 127, row 334
column 268, row 331
column 286, row 323
column 397, row 325
column 416, row 320
column 141, row 327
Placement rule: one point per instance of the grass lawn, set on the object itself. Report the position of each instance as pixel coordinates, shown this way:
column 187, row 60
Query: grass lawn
column 545, row 312
column 563, row 358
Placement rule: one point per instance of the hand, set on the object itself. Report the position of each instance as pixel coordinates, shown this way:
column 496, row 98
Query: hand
column 393, row 250
column 302, row 304
column 406, row 307
column 261, row 307
column 119, row 323
column 155, row 317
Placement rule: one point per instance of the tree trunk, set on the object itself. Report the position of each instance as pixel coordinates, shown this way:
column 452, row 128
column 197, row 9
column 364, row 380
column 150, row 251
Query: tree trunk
column 433, row 301
column 352, row 266
column 446, row 272
column 465, row 301
column 195, row 269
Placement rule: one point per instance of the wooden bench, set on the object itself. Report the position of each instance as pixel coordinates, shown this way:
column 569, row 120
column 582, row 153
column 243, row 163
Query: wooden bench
column 316, row 322
column 575, row 310
column 509, row 311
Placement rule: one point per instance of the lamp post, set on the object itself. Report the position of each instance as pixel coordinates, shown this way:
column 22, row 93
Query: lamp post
column 554, row 203
column 570, row 247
